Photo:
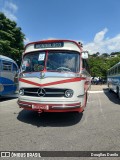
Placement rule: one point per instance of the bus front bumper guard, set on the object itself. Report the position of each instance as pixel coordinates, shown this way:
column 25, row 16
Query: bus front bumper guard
column 36, row 106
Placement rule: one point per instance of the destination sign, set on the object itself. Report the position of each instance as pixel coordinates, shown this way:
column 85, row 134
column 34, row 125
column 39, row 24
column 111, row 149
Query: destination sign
column 49, row 45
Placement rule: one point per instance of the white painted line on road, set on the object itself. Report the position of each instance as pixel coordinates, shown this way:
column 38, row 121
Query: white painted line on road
column 96, row 91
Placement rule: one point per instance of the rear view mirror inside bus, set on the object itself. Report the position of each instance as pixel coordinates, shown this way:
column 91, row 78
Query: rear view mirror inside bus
column 85, row 54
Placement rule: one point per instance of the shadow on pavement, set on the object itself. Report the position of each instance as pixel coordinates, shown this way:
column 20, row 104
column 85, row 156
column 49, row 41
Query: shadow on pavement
column 2, row 99
column 112, row 96
column 49, row 119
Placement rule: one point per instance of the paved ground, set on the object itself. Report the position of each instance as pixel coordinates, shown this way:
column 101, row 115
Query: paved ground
column 96, row 129
column 98, row 87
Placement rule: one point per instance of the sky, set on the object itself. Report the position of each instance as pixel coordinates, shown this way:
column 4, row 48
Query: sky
column 96, row 23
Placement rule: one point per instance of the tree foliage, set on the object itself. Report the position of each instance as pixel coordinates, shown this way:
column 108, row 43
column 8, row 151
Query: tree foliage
column 11, row 39
column 100, row 65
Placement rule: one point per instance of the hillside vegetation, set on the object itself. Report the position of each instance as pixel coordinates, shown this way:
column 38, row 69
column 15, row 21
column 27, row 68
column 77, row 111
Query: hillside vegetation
column 99, row 65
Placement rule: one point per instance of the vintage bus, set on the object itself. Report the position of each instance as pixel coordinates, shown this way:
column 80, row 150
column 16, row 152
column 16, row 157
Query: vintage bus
column 54, row 77
column 113, row 79
column 8, row 76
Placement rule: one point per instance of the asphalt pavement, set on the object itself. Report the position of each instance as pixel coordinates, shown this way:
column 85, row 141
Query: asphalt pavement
column 99, row 87
column 96, row 129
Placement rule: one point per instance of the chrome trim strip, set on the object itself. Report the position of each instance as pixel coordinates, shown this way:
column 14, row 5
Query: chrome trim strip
column 65, row 107
column 51, row 74
column 27, row 105
column 80, row 95
column 46, row 92
column 30, row 92
column 34, row 101
column 54, row 92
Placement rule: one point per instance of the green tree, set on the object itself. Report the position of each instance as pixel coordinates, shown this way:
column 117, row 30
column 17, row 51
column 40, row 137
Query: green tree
column 100, row 65
column 11, row 39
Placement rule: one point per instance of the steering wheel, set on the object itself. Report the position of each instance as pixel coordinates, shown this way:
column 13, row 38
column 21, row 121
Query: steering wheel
column 63, row 69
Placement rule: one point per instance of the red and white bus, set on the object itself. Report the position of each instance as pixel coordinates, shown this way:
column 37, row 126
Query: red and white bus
column 54, row 77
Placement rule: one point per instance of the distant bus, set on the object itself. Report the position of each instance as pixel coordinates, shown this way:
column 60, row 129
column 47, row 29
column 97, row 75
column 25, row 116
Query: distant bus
column 8, row 75
column 113, row 79
column 54, row 77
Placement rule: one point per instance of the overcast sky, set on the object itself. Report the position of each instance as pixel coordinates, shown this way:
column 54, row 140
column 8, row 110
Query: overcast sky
column 96, row 23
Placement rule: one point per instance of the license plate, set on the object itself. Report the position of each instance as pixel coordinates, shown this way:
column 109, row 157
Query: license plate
column 34, row 106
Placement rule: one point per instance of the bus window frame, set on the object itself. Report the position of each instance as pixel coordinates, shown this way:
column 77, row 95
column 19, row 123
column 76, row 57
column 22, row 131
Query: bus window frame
column 9, row 62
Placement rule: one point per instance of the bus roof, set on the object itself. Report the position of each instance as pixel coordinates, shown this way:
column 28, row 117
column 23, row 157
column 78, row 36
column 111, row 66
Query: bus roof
column 114, row 66
column 7, row 59
column 53, row 45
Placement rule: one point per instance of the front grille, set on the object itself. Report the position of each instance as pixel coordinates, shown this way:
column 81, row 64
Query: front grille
column 44, row 92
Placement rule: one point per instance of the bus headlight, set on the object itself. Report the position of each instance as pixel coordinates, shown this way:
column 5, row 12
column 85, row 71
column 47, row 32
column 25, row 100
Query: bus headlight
column 1, row 87
column 21, row 92
column 68, row 93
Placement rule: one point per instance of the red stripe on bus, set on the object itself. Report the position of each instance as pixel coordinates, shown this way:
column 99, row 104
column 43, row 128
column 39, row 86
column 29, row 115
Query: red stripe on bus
column 51, row 83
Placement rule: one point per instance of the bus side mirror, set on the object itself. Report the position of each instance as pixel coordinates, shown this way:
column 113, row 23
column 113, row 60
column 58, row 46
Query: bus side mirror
column 85, row 54
column 23, row 68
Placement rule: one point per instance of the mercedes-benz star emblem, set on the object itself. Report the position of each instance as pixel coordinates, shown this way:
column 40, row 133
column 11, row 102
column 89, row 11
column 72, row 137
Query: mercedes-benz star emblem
column 41, row 92
column 42, row 75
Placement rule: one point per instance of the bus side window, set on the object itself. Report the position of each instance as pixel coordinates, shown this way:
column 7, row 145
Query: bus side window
column 15, row 67
column 113, row 71
column 85, row 65
column 109, row 72
column 0, row 65
column 116, row 70
column 7, row 66
column 119, row 69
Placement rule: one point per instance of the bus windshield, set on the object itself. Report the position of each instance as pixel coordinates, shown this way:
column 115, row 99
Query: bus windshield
column 58, row 61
